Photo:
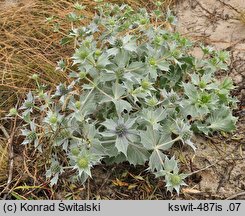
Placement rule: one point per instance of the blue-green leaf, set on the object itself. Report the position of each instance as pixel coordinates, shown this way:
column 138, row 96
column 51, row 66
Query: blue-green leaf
column 122, row 144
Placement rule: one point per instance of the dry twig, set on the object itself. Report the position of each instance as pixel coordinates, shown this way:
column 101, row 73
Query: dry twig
column 11, row 161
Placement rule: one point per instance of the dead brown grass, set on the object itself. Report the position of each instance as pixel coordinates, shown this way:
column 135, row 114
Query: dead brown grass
column 3, row 161
column 29, row 45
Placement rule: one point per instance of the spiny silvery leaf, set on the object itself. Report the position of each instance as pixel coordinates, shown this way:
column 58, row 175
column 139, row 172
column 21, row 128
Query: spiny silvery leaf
column 90, row 140
column 174, row 76
column 28, row 103
column 62, row 89
column 89, row 131
column 190, row 143
column 180, row 126
column 64, row 142
column 201, row 104
column 54, row 180
column 163, row 65
column 169, row 97
column 61, row 65
column 107, row 75
column 226, row 84
column 113, row 51
column 110, row 124
column 169, row 168
column 154, row 117
column 135, row 93
column 26, row 116
column 122, row 105
column 137, row 154
column 122, row 59
column 55, row 170
column 103, row 61
column 129, row 43
column 206, row 77
column 188, row 108
column 222, row 120
column 156, row 160
column 122, row 144
column 110, row 148
column 152, row 71
column 136, row 67
column 85, row 105
column 82, row 178
column 195, row 79
column 115, row 159
column 171, row 165
column 93, row 28
column 203, row 82
column 183, row 130
column 118, row 90
column 152, row 139
column 207, row 49
column 190, row 91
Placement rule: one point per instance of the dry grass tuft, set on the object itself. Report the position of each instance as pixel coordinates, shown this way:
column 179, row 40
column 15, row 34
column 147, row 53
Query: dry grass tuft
column 28, row 45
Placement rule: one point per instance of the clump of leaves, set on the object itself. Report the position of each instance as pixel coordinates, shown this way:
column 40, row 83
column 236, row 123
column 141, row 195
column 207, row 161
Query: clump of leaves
column 134, row 87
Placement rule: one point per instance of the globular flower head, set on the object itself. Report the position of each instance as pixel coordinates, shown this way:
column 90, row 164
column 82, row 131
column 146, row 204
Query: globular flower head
column 174, row 181
column 83, row 161
column 122, row 130
column 53, row 118
column 13, row 112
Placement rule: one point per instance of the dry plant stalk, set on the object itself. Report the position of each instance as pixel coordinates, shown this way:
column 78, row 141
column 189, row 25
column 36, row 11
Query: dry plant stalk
column 242, row 16
column 3, row 161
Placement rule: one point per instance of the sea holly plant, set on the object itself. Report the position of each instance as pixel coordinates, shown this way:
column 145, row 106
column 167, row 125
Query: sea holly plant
column 133, row 88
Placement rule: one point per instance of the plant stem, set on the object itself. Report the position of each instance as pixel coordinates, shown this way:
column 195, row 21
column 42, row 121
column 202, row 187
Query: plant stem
column 161, row 161
column 108, row 141
column 87, row 97
column 95, row 86
column 171, row 141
